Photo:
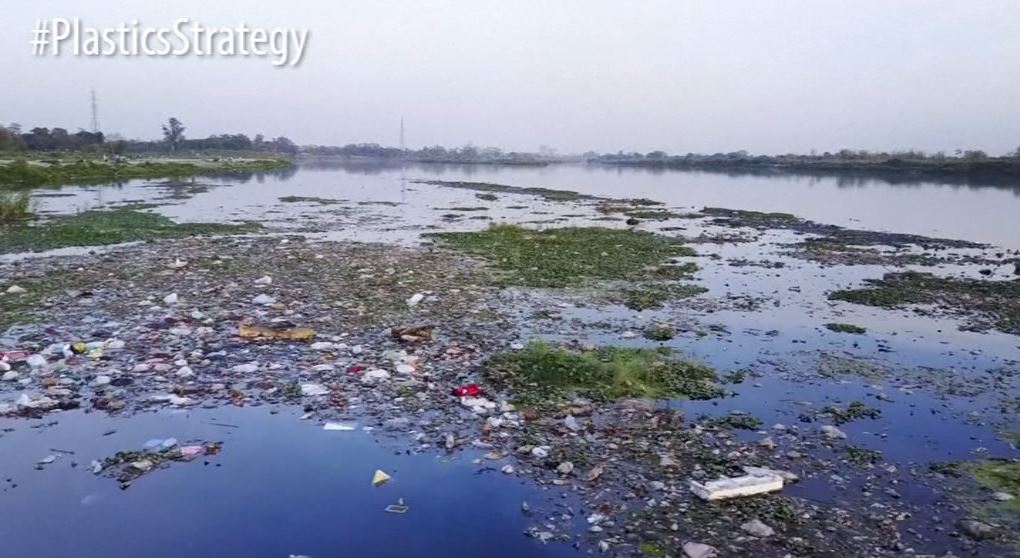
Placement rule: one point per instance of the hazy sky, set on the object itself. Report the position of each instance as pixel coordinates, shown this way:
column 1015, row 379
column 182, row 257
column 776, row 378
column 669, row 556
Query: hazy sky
column 715, row 75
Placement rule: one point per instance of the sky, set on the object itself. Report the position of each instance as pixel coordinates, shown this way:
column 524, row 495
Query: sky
column 766, row 76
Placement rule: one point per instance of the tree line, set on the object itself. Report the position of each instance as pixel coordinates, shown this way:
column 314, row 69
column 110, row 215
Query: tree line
column 849, row 155
column 434, row 153
column 13, row 138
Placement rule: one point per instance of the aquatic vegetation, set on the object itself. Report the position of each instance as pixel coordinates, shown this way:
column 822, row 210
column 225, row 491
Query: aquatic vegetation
column 541, row 373
column 854, row 411
column 544, row 193
column 653, row 549
column 18, row 308
column 654, row 214
column 641, row 209
column 676, row 271
column 565, row 257
column 986, row 303
column 96, row 228
column 15, row 207
column 834, row 366
column 654, row 296
column 736, row 376
column 837, row 250
column 310, row 199
column 753, row 219
column 862, row 456
column 1000, row 475
column 22, row 174
column 463, row 208
column 660, row 332
column 846, row 328
column 739, row 421
column 486, row 196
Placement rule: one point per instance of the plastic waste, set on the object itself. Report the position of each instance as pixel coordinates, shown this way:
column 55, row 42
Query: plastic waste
column 36, row 361
column 469, row 390
column 571, row 423
column 15, row 355
column 415, row 299
column 283, row 334
column 412, row 333
column 263, row 300
column 338, row 427
column 699, row 550
column 374, row 375
column 747, row 485
column 399, row 507
column 380, row 478
column 159, row 444
column 312, row 390
column 191, row 452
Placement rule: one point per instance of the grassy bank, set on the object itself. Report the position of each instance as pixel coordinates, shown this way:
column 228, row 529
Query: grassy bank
column 96, row 228
column 23, row 174
column 15, row 207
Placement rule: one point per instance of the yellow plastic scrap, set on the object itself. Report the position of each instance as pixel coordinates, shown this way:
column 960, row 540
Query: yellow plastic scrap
column 380, row 478
column 284, row 334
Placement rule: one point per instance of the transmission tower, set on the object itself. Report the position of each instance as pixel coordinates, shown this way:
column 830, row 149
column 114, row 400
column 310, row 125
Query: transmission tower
column 95, row 113
column 402, row 147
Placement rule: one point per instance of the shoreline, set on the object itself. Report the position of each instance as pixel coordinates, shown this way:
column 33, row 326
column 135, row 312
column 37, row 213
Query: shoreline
column 23, row 174
column 996, row 172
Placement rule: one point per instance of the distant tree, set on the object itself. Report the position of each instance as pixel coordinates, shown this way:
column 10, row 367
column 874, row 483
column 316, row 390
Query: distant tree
column 173, row 133
column 491, row 153
column 10, row 137
column 259, row 142
column 1016, row 154
column 656, row 155
column 975, row 155
column 283, row 144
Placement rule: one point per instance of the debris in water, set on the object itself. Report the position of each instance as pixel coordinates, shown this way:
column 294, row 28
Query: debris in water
column 380, row 478
column 747, row 485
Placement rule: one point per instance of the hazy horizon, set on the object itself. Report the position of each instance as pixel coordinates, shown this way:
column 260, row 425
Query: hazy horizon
column 767, row 77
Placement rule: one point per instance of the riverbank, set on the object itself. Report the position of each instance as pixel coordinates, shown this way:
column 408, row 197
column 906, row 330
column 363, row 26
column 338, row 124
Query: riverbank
column 20, row 174
column 1001, row 170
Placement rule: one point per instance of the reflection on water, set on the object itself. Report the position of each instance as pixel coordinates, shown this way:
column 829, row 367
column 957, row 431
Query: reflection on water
column 280, row 487
column 983, row 213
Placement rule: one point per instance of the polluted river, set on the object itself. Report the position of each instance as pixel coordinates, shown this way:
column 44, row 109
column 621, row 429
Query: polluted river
column 349, row 358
